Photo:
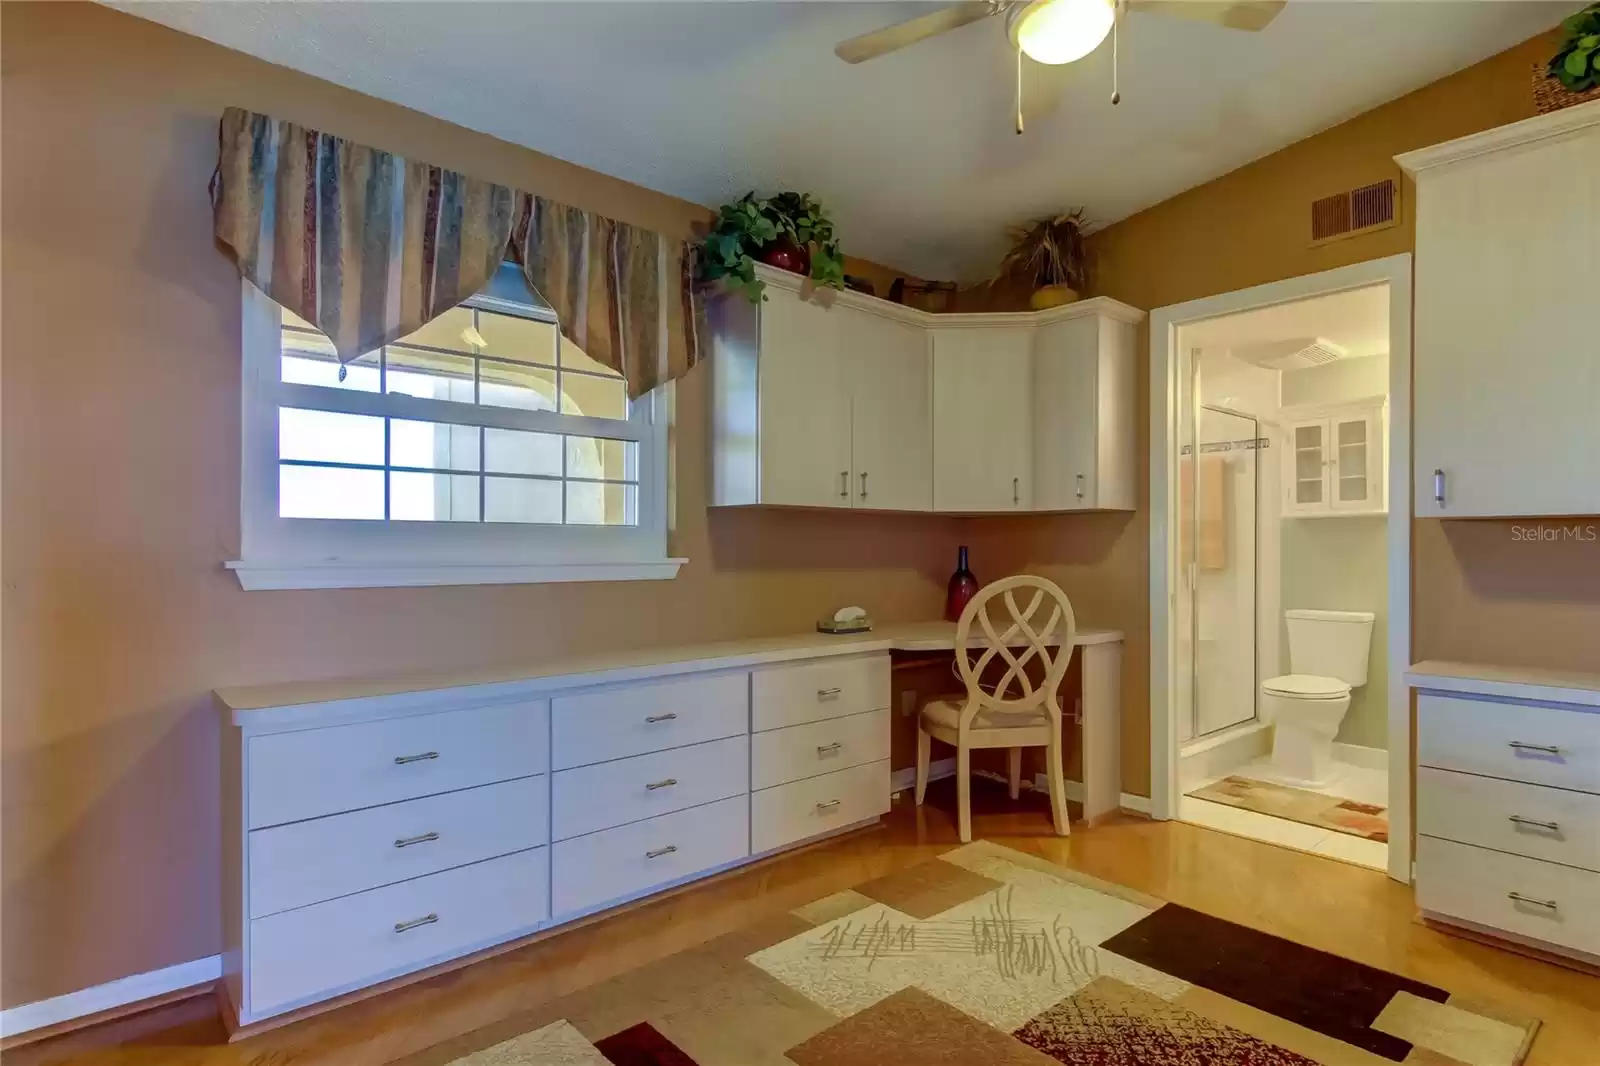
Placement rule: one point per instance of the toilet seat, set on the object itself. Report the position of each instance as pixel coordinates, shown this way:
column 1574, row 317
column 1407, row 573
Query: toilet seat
column 1306, row 687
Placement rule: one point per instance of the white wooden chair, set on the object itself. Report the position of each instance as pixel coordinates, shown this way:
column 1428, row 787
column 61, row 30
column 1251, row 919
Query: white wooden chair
column 1044, row 629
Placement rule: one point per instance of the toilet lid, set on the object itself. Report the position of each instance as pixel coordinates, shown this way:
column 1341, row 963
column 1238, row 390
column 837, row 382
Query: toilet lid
column 1306, row 686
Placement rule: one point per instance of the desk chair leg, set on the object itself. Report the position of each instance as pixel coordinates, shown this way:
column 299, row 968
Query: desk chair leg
column 924, row 755
column 1014, row 771
column 1058, row 785
column 964, row 792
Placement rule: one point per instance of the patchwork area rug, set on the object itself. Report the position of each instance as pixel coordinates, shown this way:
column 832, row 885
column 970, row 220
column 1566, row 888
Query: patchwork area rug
column 1300, row 805
column 989, row 957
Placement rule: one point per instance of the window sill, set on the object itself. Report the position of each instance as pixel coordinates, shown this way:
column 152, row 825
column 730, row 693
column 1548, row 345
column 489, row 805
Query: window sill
column 256, row 575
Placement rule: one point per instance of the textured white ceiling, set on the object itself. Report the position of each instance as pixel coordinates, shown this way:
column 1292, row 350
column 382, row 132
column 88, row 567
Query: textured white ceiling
column 913, row 153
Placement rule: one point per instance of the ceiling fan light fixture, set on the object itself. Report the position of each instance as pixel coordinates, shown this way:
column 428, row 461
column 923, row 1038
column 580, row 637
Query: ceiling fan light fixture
column 1061, row 31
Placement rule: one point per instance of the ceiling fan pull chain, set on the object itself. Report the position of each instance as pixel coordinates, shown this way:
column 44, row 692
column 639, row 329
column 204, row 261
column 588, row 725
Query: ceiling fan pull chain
column 1019, row 89
column 1116, row 52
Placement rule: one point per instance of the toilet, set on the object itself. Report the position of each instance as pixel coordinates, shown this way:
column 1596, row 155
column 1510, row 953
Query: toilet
column 1328, row 652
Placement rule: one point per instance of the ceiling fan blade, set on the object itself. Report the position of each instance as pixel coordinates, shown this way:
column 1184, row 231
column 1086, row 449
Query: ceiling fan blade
column 1252, row 15
column 893, row 38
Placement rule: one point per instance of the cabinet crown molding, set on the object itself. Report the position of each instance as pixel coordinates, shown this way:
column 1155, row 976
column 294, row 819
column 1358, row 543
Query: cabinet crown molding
column 1556, row 124
column 1098, row 305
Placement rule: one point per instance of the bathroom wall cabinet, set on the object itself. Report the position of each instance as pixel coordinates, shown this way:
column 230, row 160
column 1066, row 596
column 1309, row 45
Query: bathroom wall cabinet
column 838, row 400
column 1334, row 460
column 1507, row 382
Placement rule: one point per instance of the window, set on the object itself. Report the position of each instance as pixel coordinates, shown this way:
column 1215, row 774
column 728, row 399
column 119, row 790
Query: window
column 484, row 447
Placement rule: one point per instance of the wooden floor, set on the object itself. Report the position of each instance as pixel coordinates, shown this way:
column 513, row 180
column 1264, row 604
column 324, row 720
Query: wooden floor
column 1327, row 904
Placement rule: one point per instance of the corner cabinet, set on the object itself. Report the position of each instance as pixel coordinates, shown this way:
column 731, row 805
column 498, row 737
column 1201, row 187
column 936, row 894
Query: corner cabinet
column 826, row 399
column 1334, row 460
column 1507, row 359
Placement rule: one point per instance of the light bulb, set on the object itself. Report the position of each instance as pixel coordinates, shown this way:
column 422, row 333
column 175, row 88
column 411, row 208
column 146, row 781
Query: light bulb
column 1061, row 31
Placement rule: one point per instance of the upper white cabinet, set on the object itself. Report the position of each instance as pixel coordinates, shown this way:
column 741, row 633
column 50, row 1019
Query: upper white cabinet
column 982, row 419
column 841, row 400
column 1507, row 360
column 1334, row 460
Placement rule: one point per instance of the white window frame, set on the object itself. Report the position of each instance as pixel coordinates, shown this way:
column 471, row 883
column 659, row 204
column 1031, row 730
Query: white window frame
column 303, row 553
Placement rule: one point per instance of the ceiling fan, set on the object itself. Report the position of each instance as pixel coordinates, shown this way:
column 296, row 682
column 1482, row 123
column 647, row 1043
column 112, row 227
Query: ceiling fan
column 1055, row 32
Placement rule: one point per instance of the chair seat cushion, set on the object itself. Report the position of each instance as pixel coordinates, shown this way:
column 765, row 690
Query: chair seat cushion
column 946, row 714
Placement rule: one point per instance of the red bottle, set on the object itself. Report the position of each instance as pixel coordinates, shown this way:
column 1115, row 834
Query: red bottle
column 963, row 586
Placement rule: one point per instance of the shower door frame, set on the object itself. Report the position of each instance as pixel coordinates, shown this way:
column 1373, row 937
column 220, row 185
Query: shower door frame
column 1166, row 392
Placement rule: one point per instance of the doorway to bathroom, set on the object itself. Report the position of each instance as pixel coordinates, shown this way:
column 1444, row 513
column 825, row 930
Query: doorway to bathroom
column 1280, row 580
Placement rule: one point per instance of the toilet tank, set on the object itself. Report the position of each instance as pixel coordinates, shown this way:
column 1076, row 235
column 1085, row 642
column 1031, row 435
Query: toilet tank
column 1330, row 644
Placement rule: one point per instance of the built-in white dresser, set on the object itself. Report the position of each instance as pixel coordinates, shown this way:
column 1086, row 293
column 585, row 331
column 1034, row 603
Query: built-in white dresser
column 1508, row 803
column 371, row 836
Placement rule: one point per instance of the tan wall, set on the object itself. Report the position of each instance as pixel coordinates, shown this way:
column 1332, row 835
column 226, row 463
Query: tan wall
column 121, row 400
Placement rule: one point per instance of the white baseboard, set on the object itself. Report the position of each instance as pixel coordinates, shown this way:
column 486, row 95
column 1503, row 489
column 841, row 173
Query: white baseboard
column 1126, row 800
column 905, row 779
column 109, row 996
column 901, row 780
column 1366, row 758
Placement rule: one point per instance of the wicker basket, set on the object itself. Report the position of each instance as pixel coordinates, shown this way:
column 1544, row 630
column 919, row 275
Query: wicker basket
column 1550, row 95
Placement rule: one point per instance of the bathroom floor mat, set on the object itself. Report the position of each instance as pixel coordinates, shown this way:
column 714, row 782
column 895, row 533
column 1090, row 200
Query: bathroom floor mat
column 1300, row 805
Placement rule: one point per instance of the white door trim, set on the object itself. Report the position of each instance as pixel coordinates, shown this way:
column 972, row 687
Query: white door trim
column 1395, row 271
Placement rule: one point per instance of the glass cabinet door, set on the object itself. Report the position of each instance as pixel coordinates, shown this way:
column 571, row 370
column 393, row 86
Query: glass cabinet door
column 1354, row 476
column 1308, row 441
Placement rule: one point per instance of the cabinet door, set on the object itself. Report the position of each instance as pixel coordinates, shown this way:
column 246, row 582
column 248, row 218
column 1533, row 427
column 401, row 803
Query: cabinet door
column 891, row 412
column 805, row 405
column 1066, row 415
column 1308, row 466
column 1507, row 381
column 1355, row 480
column 982, row 419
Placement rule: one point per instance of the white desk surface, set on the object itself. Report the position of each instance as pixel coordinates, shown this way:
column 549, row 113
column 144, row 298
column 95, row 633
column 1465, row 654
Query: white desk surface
column 1515, row 682
column 610, row 667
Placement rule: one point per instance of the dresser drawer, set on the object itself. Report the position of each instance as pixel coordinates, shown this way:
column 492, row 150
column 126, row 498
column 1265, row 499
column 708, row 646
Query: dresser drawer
column 1476, row 885
column 1553, row 824
column 314, row 772
column 617, row 864
column 1519, row 742
column 615, row 723
column 799, row 810
column 779, row 756
column 591, row 798
column 809, row 692
column 358, row 940
column 307, row 862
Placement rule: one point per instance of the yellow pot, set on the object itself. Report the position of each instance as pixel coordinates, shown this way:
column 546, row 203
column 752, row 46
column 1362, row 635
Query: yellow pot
column 1052, row 296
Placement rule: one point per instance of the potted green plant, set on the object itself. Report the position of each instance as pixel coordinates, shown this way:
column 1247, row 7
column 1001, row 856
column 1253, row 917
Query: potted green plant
column 1049, row 254
column 1576, row 64
column 790, row 231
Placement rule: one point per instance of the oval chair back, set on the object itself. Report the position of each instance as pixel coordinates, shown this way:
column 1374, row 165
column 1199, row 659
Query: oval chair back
column 1014, row 622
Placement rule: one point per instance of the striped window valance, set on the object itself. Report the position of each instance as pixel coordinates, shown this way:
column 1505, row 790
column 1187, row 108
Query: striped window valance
column 369, row 246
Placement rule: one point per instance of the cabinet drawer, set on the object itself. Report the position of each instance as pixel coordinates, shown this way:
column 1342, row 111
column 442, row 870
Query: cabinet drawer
column 307, row 862
column 1476, row 885
column 799, row 810
column 1553, row 824
column 1518, row 742
column 809, row 692
column 779, row 756
column 358, row 940
column 615, row 723
column 617, row 864
column 313, row 772
column 607, row 794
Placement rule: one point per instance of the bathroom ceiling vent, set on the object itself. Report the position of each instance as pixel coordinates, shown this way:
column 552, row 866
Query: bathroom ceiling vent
column 1295, row 353
column 1355, row 211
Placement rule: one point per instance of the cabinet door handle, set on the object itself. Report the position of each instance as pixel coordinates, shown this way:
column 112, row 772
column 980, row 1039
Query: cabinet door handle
column 670, row 849
column 1016, row 490
column 1080, row 486
column 654, row 718
column 829, row 749
column 426, row 919
column 844, row 484
column 1546, row 749
column 666, row 783
column 828, row 693
column 1518, row 897
column 424, row 838
column 1438, row 487
column 401, row 760
column 863, row 485
column 828, row 806
column 1553, row 827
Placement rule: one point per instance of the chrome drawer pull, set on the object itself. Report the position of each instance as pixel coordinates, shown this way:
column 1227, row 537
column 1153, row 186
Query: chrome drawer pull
column 425, row 838
column 1547, row 904
column 1554, row 827
column 829, row 749
column 830, row 805
column 656, row 854
column 401, row 760
column 427, row 919
column 828, row 693
column 668, row 783
column 1548, row 749
column 654, row 718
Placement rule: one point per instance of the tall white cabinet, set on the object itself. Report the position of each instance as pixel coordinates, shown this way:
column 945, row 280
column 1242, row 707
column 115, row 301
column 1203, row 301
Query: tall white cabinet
column 1507, row 360
column 983, row 419
column 1082, row 392
column 890, row 412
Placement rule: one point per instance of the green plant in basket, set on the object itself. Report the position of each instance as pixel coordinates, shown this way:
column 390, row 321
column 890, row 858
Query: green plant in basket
column 1577, row 64
column 789, row 230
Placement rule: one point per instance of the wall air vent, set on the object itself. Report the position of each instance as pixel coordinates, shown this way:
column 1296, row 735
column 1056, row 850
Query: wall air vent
column 1357, row 211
